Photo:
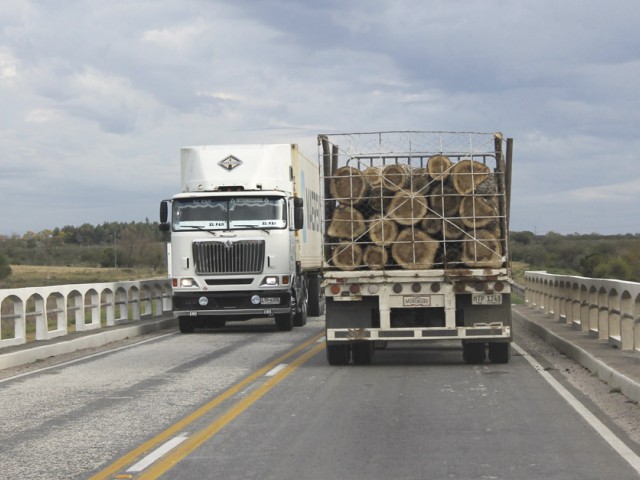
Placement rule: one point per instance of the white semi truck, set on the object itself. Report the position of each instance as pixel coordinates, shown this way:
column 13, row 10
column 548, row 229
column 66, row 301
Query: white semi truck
column 245, row 236
column 415, row 243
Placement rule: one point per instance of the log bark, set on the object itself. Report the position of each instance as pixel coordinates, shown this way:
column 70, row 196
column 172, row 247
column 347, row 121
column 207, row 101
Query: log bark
column 414, row 250
column 347, row 255
column 379, row 199
column 444, row 200
column 346, row 223
column 348, row 185
column 468, row 174
column 431, row 224
column 420, row 180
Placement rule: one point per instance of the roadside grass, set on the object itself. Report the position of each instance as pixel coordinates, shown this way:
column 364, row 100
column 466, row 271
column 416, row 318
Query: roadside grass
column 47, row 275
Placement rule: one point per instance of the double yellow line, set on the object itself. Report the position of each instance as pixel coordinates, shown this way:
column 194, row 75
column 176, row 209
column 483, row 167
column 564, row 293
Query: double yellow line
column 115, row 470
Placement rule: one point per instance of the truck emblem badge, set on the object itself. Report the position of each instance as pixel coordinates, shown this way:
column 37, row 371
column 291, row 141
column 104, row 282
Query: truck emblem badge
column 228, row 244
column 230, row 162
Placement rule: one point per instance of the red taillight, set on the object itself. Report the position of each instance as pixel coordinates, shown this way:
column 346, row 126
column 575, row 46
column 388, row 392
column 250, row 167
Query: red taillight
column 335, row 289
column 354, row 288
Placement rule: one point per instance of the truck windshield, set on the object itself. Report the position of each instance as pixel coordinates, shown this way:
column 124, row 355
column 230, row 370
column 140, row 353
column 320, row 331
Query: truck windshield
column 226, row 213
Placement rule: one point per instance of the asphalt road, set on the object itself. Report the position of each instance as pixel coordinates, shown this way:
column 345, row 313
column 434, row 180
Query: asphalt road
column 250, row 402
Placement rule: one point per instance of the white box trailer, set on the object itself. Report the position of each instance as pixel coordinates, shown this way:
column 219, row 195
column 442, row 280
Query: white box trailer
column 245, row 236
column 415, row 244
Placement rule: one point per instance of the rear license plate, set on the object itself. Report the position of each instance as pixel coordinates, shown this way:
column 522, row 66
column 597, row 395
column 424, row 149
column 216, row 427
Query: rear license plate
column 416, row 301
column 486, row 299
column 270, row 301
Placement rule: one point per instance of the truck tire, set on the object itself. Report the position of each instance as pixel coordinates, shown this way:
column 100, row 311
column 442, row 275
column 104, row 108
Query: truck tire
column 186, row 324
column 300, row 318
column 316, row 297
column 338, row 354
column 284, row 321
column 473, row 353
column 362, row 353
column 499, row 352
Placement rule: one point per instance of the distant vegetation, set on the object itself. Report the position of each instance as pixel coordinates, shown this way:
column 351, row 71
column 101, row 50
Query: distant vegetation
column 127, row 249
column 120, row 246
column 597, row 256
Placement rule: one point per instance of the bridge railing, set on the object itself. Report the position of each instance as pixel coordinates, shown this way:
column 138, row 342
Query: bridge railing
column 43, row 313
column 605, row 309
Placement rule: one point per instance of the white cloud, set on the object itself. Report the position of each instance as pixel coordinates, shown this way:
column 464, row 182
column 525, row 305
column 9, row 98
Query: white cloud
column 105, row 94
column 175, row 38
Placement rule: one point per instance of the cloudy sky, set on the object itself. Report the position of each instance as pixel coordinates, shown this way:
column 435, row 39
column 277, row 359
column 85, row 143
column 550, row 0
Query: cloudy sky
column 98, row 96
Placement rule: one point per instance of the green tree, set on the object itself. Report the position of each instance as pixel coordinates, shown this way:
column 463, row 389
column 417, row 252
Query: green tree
column 5, row 268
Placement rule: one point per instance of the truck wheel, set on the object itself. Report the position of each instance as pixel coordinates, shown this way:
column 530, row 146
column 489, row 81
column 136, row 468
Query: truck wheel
column 338, row 354
column 186, row 325
column 300, row 318
column 362, row 353
column 316, row 297
column 284, row 321
column 499, row 352
column 473, row 353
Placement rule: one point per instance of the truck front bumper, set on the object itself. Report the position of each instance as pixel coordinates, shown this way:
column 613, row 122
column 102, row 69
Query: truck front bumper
column 269, row 303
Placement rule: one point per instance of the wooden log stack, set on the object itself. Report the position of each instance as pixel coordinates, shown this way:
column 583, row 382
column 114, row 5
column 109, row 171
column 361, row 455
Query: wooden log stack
column 441, row 215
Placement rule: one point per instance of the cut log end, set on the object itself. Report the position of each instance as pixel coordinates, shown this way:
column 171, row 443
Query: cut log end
column 348, row 185
column 395, row 177
column 346, row 223
column 483, row 251
column 414, row 250
column 468, row 174
column 375, row 257
column 347, row 255
column 438, row 167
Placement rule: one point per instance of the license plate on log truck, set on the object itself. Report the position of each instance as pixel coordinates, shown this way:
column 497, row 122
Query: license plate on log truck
column 486, row 299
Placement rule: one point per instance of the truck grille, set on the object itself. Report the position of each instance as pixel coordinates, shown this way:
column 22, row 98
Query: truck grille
column 220, row 257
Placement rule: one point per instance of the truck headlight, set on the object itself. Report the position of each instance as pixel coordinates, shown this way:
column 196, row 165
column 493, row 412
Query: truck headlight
column 188, row 283
column 270, row 281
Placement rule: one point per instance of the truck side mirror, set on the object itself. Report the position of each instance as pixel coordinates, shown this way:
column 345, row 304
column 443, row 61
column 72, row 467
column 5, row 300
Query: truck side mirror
column 298, row 213
column 164, row 216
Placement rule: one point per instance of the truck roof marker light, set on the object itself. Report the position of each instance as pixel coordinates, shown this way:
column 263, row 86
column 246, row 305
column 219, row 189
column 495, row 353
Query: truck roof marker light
column 354, row 288
column 335, row 289
column 397, row 288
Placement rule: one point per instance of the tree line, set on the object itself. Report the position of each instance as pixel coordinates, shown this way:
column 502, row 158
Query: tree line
column 141, row 244
column 111, row 244
column 593, row 255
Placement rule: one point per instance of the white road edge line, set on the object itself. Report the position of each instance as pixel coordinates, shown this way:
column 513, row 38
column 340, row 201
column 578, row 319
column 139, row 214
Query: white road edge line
column 157, row 453
column 274, row 371
column 610, row 437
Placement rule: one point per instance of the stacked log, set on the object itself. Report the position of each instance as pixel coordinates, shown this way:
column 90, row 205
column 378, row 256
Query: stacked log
column 444, row 214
